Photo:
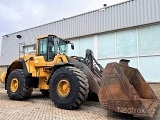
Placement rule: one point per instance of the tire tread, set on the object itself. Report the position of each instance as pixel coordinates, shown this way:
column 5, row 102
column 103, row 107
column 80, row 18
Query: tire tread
column 83, row 86
column 25, row 91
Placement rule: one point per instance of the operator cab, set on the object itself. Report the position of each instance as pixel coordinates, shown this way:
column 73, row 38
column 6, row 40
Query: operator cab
column 50, row 46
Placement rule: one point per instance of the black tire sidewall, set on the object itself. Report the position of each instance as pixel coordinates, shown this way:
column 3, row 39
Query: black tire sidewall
column 64, row 102
column 15, row 74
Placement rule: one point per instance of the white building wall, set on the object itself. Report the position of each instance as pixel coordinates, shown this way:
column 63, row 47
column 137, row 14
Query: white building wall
column 140, row 45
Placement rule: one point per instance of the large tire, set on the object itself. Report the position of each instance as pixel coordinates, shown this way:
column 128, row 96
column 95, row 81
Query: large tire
column 44, row 92
column 78, row 87
column 16, row 86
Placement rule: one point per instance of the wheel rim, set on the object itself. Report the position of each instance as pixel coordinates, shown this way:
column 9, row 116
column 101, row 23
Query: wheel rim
column 63, row 88
column 14, row 85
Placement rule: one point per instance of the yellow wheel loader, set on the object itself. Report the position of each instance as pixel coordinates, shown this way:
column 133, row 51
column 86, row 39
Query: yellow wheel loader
column 69, row 80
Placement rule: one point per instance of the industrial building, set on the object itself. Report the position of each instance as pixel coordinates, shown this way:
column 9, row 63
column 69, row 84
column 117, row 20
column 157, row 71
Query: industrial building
column 128, row 30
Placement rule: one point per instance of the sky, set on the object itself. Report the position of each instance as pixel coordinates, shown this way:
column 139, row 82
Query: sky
column 17, row 15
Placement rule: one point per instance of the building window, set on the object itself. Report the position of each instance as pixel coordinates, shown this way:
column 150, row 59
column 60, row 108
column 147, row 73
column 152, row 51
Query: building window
column 29, row 48
column 84, row 44
column 149, row 38
column 106, row 45
column 126, row 43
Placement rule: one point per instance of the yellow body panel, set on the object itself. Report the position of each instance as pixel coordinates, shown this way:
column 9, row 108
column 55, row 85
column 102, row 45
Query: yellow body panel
column 42, row 83
column 37, row 68
column 2, row 79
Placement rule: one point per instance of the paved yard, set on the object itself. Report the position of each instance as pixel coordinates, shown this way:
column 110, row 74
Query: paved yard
column 41, row 108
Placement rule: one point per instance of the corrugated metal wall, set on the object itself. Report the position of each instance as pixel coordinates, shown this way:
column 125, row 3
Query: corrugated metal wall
column 127, row 14
column 119, row 16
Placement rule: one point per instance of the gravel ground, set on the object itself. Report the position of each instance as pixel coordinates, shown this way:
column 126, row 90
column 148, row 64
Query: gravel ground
column 41, row 108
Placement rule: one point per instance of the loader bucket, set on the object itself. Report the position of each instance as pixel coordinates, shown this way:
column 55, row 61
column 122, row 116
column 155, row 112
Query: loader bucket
column 123, row 89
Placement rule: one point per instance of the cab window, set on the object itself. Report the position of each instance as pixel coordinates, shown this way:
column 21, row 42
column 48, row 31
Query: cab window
column 42, row 47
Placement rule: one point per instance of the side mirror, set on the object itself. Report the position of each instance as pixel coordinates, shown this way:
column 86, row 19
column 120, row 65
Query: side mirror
column 72, row 46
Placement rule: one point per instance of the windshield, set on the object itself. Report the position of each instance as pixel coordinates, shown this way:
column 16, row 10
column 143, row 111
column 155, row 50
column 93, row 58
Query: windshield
column 62, row 46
